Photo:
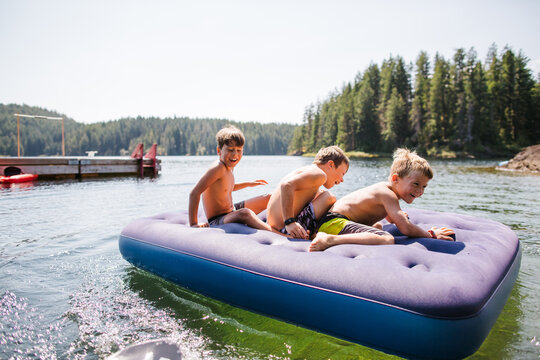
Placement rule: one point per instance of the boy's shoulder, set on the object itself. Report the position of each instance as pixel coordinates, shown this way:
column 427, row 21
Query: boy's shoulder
column 306, row 170
column 312, row 171
column 313, row 168
column 383, row 189
column 218, row 168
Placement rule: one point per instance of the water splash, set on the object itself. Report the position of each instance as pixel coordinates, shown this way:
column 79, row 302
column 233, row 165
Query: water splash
column 20, row 337
column 111, row 320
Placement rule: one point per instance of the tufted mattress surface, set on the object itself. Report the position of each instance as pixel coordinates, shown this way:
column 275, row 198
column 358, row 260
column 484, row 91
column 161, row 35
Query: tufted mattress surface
column 434, row 278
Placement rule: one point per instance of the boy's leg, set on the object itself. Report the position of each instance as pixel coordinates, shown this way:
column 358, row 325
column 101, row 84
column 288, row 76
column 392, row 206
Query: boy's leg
column 322, row 203
column 258, row 203
column 352, row 233
column 323, row 241
column 249, row 218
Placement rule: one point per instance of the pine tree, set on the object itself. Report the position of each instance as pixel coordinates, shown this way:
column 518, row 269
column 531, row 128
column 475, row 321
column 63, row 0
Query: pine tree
column 495, row 98
column 396, row 130
column 478, row 130
column 439, row 127
column 458, row 78
column 419, row 107
column 365, row 111
column 508, row 90
column 345, row 131
column 524, row 121
column 535, row 112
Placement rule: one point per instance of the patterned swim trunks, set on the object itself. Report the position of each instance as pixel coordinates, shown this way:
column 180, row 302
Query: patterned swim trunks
column 306, row 219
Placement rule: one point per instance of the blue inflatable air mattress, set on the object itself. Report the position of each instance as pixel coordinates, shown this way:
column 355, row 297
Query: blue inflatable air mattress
column 419, row 298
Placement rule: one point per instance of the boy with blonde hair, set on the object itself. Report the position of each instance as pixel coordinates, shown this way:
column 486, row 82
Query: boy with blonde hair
column 354, row 219
column 217, row 184
column 298, row 202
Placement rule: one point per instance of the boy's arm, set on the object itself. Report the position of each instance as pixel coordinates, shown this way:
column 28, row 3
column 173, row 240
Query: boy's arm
column 244, row 185
column 211, row 176
column 304, row 180
column 401, row 220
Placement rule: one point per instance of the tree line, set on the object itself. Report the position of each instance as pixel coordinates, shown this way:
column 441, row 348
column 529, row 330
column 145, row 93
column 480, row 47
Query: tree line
column 174, row 136
column 458, row 105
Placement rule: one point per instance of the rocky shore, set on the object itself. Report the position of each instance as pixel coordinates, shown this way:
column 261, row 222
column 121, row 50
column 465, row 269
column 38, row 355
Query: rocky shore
column 528, row 160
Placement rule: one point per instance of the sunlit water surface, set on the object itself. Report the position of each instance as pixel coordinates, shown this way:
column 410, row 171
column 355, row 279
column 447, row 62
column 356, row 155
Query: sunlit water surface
column 66, row 292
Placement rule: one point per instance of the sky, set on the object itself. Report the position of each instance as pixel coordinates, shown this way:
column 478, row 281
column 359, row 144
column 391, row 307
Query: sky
column 262, row 61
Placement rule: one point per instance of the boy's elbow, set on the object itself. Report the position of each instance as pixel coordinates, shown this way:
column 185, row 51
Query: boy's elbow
column 193, row 195
column 387, row 240
column 286, row 187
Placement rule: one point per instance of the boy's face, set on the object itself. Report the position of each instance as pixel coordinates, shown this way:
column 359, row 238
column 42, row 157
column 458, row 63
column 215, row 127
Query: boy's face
column 411, row 186
column 230, row 155
column 334, row 175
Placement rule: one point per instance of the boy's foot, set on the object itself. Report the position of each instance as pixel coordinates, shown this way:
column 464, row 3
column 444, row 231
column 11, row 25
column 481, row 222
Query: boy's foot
column 320, row 242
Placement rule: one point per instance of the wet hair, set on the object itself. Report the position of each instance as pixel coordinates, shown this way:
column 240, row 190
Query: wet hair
column 406, row 161
column 333, row 153
column 229, row 136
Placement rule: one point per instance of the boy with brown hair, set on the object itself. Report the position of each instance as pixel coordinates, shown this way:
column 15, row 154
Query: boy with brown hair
column 298, row 202
column 217, row 184
column 354, row 219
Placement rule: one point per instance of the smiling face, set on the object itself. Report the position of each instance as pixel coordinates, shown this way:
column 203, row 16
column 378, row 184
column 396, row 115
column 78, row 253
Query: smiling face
column 230, row 155
column 409, row 187
column 334, row 175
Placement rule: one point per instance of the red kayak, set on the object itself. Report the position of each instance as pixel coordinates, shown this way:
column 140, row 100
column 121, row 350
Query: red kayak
column 18, row 178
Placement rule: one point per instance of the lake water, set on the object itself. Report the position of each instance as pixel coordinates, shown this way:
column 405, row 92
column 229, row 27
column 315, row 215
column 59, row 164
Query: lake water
column 66, row 292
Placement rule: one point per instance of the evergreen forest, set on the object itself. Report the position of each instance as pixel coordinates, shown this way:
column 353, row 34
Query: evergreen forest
column 439, row 107
column 174, row 136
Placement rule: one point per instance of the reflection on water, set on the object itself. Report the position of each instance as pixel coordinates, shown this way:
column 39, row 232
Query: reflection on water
column 505, row 330
column 242, row 334
column 66, row 293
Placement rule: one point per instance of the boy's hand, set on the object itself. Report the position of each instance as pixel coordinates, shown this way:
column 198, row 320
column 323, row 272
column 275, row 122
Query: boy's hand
column 200, row 225
column 297, row 231
column 259, row 182
column 443, row 233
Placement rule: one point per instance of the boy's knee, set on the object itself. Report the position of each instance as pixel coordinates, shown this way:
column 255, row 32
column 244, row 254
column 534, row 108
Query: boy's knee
column 328, row 197
column 331, row 198
column 245, row 214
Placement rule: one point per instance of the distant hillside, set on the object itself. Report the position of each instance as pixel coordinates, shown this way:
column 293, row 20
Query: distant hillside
column 174, row 136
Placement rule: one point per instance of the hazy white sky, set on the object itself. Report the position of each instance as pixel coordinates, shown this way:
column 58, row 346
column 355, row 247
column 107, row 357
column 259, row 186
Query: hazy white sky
column 252, row 60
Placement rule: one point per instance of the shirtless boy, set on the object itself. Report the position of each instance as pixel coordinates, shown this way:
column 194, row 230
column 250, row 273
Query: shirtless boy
column 354, row 219
column 217, row 184
column 298, row 202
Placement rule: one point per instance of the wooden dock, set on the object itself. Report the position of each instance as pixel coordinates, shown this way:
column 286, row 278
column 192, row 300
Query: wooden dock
column 84, row 166
column 79, row 167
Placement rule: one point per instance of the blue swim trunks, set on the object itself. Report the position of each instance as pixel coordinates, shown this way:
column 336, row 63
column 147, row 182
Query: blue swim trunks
column 306, row 219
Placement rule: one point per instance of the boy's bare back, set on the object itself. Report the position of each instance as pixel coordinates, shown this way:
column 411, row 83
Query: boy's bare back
column 306, row 180
column 367, row 205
